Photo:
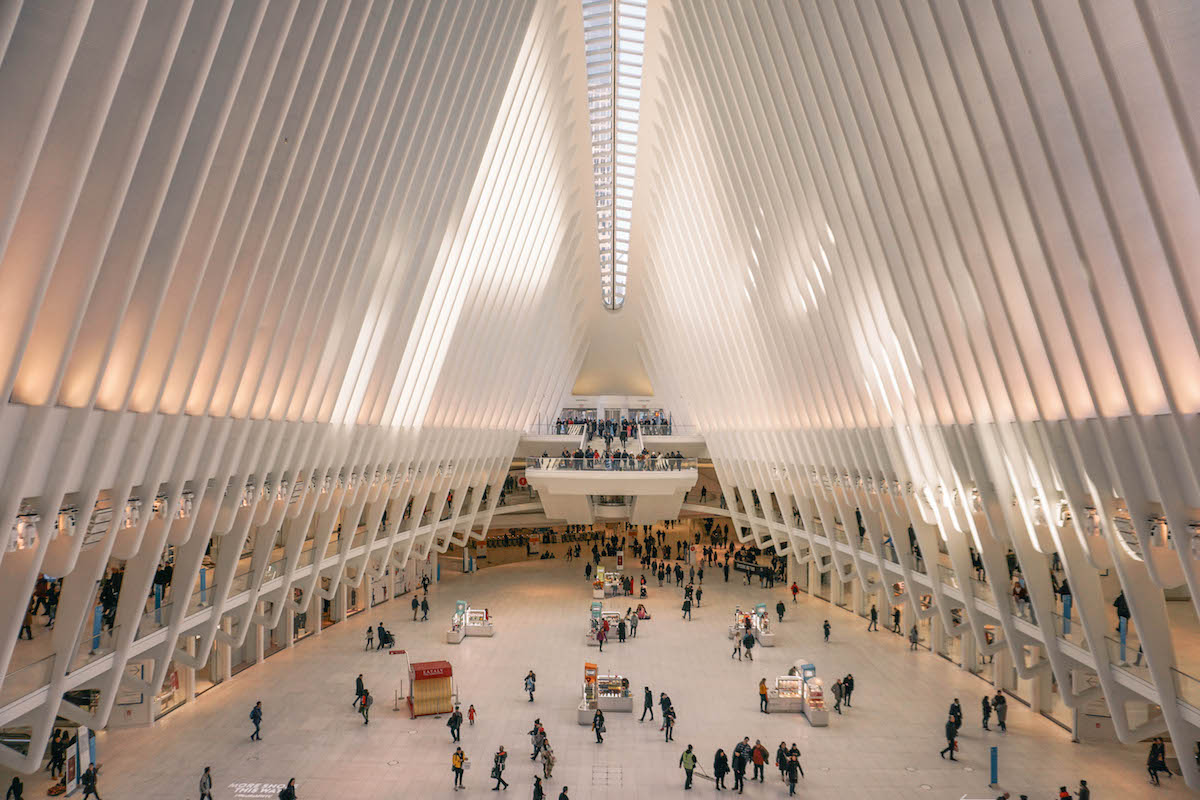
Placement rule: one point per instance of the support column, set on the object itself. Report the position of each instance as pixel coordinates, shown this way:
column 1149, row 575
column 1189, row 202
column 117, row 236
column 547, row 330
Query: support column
column 288, row 621
column 814, row 576
column 340, row 598
column 937, row 634
column 856, row 597
column 1039, row 700
column 225, row 653
column 189, row 674
column 1000, row 668
column 258, row 644
column 970, row 653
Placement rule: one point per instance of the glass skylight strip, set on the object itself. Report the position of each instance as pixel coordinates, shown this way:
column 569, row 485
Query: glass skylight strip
column 614, row 33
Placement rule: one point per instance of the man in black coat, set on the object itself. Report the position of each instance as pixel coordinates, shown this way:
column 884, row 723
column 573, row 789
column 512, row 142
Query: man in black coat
column 951, row 734
column 358, row 690
column 647, row 704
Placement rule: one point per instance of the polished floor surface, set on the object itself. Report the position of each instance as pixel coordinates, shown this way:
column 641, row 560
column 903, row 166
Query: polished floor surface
column 886, row 746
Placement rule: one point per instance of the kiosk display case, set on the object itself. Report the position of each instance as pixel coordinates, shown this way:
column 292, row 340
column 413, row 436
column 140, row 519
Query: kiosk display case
column 813, row 689
column 787, row 696
column 738, row 628
column 762, row 627
column 604, row 692
column 598, row 618
column 469, row 621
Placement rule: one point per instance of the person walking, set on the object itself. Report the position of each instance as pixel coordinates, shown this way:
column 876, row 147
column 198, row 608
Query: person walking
column 598, row 725
column 458, row 763
column 794, row 757
column 358, row 691
column 914, row 636
column 986, row 706
column 548, row 759
column 956, row 713
column 826, row 628
column 688, row 762
column 737, row 646
column 454, row 723
column 416, row 606
column 896, row 620
column 669, row 724
column 89, row 781
column 873, row 625
column 602, row 635
column 531, row 681
column 748, row 644
column 791, row 775
column 538, row 737
column 762, row 696
column 781, row 760
column 720, row 768
column 538, row 792
column 58, row 755
column 471, row 716
column 205, row 785
column 621, row 631
column 779, row 609
column 951, row 736
column 256, row 715
column 1083, row 793
column 795, row 591
column 498, row 762
column 364, row 707
column 847, row 688
column 370, row 637
column 687, row 609
column 289, row 791
column 16, row 790
column 647, row 704
column 424, row 609
column 838, row 692
column 1000, row 706
column 563, row 794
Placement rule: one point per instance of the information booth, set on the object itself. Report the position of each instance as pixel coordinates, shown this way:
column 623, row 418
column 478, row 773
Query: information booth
column 431, row 688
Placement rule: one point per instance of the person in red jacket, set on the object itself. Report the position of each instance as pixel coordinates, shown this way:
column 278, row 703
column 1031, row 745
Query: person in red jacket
column 759, row 756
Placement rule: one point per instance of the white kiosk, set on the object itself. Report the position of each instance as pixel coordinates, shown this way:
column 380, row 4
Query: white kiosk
column 760, row 623
column 813, row 690
column 606, row 693
column 598, row 617
column 469, row 622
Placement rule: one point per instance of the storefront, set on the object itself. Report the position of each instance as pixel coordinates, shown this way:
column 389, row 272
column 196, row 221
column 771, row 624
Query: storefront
column 211, row 673
column 173, row 693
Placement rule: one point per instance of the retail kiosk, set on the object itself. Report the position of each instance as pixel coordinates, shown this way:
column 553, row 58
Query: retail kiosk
column 813, row 690
column 787, row 696
column 469, row 622
column 761, row 626
column 598, row 617
column 606, row 584
column 604, row 692
column 740, row 618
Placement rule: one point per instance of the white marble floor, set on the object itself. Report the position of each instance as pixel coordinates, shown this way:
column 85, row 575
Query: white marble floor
column 885, row 747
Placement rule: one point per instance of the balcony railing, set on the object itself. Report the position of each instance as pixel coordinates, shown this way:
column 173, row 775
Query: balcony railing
column 646, row 464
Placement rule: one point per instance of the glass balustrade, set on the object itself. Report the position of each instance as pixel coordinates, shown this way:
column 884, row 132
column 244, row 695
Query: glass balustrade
column 647, row 464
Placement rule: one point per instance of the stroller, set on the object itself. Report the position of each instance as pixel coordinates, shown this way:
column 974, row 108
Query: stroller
column 386, row 639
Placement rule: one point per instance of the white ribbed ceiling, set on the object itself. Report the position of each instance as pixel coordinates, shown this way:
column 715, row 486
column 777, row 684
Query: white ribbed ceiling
column 944, row 252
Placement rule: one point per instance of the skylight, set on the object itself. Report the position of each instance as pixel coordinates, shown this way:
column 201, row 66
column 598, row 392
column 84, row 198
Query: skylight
column 614, row 33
